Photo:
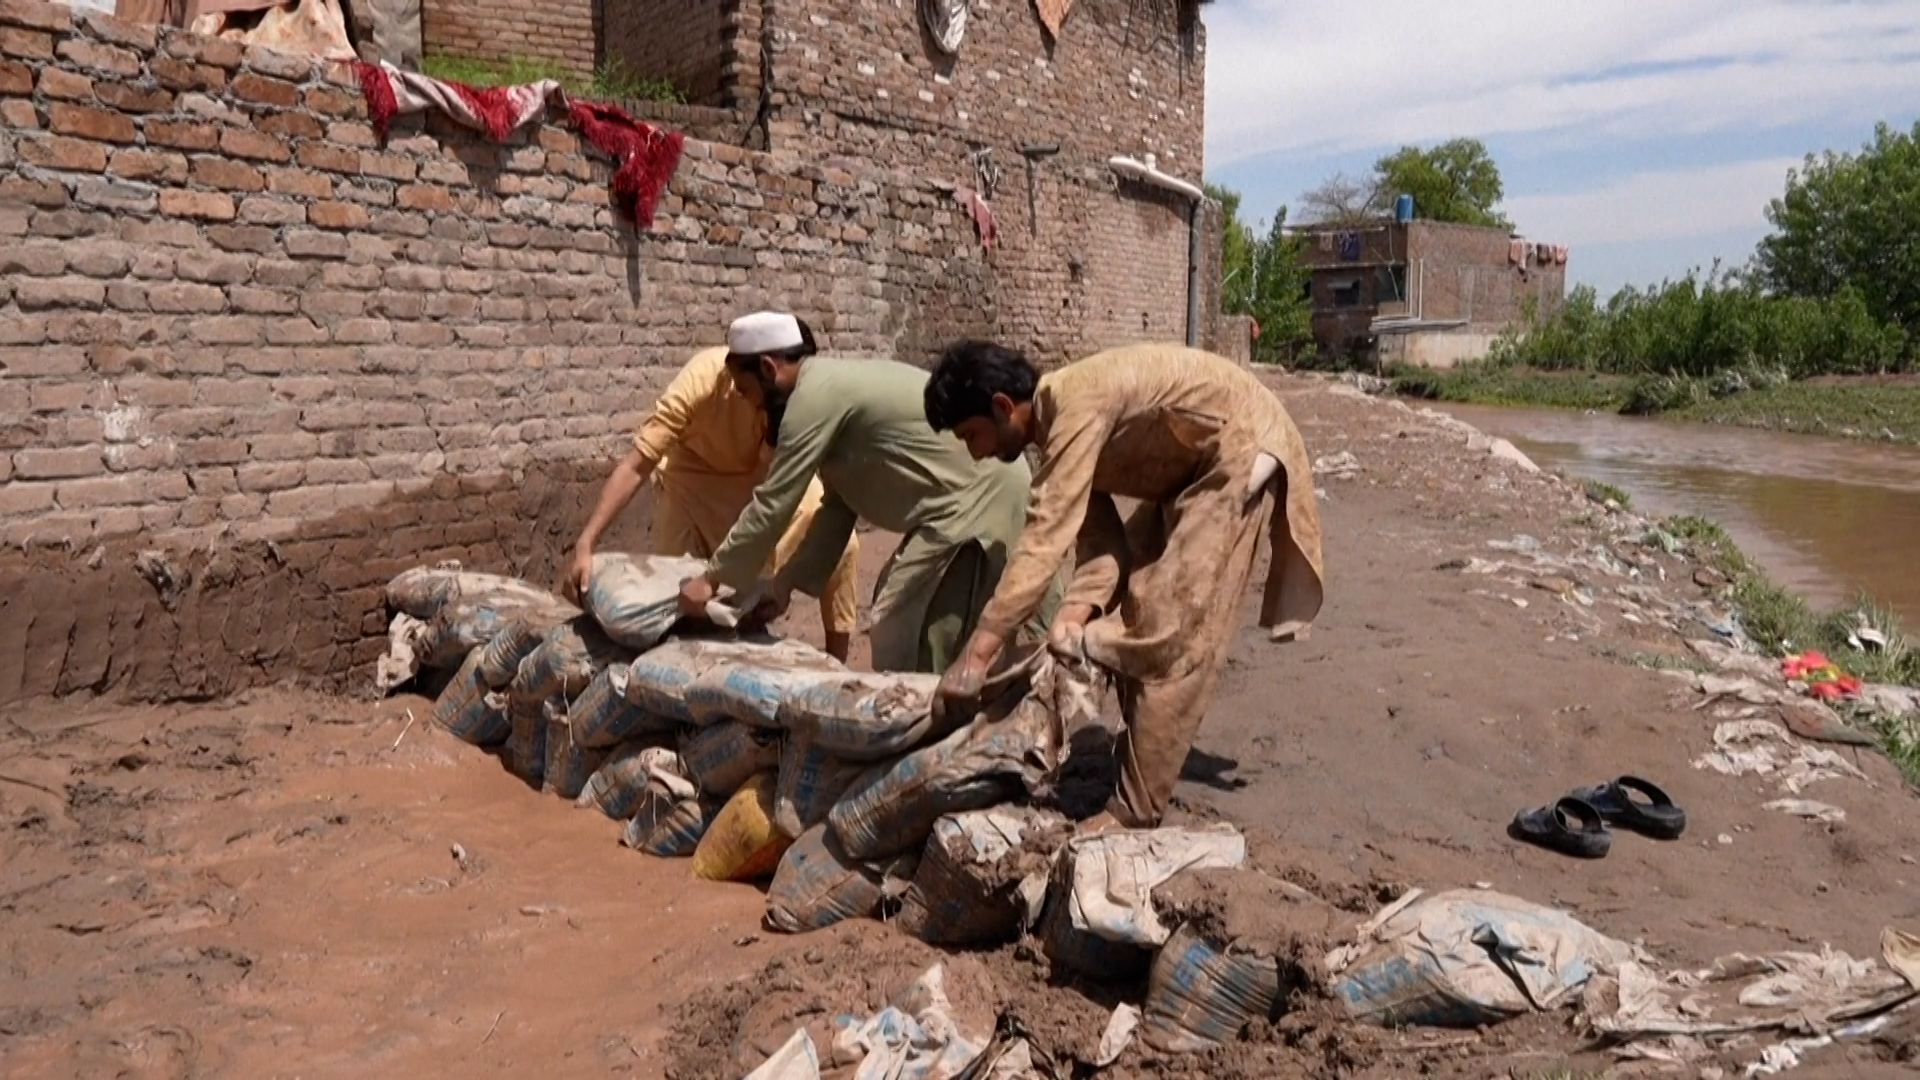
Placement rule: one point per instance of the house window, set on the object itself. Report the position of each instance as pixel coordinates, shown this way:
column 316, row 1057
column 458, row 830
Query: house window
column 1390, row 284
column 1346, row 292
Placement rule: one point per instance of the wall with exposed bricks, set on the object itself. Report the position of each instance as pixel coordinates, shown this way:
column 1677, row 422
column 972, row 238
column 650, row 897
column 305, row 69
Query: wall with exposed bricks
column 566, row 32
column 689, row 43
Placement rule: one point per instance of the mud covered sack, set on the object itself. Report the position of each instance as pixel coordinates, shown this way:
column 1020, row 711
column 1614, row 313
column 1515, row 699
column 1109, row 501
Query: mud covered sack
column 443, row 613
column 1244, row 943
column 464, row 711
column 604, row 716
column 810, row 780
column 635, row 773
column 1445, row 960
column 560, row 667
column 751, row 680
column 742, row 844
column 864, row 716
column 983, row 876
column 1100, row 920
column 672, row 680
column 636, row 598
column 568, row 764
column 891, row 809
column 723, row 757
column 670, row 830
column 818, row 885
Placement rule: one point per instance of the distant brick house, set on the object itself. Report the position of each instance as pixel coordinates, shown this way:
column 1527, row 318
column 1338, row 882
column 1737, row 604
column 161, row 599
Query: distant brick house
column 1425, row 292
column 1085, row 257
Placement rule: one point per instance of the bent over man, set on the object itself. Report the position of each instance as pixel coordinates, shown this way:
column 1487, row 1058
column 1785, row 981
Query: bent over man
column 861, row 427
column 1209, row 452
column 706, row 448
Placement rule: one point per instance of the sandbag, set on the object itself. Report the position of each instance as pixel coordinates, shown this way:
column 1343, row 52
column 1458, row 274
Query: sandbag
column 983, row 876
column 569, row 764
column 462, row 708
column 1445, row 960
column 749, row 681
column 500, row 657
column 865, row 716
column 1200, row 996
column 602, row 715
column 636, row 598
column 662, row 681
column 525, row 751
column 670, row 830
column 817, row 885
column 810, row 781
column 634, row 772
column 424, row 590
column 1100, row 918
column 723, row 757
column 742, row 843
column 891, row 809
column 566, row 660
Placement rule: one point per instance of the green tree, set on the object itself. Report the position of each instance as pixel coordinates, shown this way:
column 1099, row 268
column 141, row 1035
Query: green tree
column 1455, row 181
column 1278, row 300
column 1852, row 222
column 1236, row 253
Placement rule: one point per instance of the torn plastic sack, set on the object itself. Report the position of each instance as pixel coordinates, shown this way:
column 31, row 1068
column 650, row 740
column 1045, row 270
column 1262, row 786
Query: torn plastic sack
column 749, row 681
column 569, row 765
column 670, row 830
column 810, row 781
column 602, row 715
column 1100, row 919
column 818, row 885
column 892, row 808
column 741, row 843
column 406, row 642
column 1200, row 996
column 463, row 710
column 916, row 1037
column 722, row 757
column 1763, row 746
column 865, row 716
column 636, row 598
column 634, row 772
column 983, row 875
column 1465, row 958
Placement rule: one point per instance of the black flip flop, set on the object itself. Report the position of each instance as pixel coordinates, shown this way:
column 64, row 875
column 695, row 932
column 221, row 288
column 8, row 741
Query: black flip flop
column 1569, row 827
column 1656, row 816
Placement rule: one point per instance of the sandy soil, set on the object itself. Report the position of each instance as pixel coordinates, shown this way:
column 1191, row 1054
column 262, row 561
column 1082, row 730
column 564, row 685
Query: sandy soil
column 269, row 885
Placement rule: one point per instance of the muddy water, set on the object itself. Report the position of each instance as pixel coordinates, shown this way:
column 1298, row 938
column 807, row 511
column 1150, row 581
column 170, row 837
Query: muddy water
column 1826, row 517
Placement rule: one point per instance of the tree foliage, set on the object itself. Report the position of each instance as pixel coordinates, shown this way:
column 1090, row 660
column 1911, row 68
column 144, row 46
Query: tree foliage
column 1341, row 200
column 1851, row 222
column 1262, row 276
column 1456, row 181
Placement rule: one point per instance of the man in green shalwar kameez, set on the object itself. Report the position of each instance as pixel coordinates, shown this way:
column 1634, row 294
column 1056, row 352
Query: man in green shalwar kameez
column 861, row 426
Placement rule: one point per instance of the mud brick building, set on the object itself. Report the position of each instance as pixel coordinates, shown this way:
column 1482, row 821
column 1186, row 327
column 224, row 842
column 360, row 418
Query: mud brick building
column 1425, row 292
column 255, row 360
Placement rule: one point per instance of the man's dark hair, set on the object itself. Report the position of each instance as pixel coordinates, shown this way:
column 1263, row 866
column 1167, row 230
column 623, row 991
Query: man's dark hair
column 751, row 362
column 969, row 374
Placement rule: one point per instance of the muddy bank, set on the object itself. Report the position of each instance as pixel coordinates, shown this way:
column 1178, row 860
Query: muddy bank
column 208, row 616
column 268, row 886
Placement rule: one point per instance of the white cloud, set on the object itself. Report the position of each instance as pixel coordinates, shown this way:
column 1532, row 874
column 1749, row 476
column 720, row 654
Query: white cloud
column 1283, row 75
column 1666, row 205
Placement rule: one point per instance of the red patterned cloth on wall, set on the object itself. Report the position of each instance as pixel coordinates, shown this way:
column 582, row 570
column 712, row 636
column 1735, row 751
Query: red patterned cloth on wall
column 647, row 154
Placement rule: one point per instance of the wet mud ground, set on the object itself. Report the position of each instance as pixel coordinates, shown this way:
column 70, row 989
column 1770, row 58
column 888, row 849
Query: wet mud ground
column 283, row 884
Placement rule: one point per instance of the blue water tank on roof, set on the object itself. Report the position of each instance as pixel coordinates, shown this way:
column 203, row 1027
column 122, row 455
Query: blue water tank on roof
column 1403, row 209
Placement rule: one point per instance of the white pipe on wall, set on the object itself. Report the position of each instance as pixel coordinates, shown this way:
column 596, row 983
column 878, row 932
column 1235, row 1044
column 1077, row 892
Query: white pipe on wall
column 1145, row 172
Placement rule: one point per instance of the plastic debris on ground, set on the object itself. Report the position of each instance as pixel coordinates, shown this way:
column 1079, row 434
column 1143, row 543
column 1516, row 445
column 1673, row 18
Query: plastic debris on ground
column 915, row 1037
column 1100, row 919
column 1743, row 747
column 1466, row 958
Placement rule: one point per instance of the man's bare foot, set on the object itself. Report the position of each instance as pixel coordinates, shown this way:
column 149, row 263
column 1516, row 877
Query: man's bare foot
column 1104, row 821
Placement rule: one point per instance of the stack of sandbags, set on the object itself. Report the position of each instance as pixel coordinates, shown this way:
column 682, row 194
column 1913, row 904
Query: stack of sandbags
column 442, row 613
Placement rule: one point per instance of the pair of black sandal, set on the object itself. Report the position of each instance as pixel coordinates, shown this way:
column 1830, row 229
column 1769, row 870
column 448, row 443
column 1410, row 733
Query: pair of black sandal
column 1577, row 824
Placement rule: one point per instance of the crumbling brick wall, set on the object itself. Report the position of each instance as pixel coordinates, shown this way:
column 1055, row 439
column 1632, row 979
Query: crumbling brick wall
column 566, row 32
column 240, row 333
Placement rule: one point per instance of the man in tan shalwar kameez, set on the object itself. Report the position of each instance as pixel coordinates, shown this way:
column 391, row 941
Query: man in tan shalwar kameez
column 1208, row 451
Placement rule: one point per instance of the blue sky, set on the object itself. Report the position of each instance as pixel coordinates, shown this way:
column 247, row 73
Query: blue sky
column 1647, row 134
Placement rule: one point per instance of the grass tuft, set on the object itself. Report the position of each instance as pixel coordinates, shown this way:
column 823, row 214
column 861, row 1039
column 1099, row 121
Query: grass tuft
column 612, row 81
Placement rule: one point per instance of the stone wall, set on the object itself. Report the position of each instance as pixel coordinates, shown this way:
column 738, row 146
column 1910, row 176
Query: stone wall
column 241, row 334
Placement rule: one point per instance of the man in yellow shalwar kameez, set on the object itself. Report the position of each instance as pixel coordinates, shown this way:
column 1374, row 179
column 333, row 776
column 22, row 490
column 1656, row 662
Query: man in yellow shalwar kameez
column 705, row 448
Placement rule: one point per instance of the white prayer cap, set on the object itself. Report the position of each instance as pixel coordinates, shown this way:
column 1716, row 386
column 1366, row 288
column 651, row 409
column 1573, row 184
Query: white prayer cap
column 763, row 332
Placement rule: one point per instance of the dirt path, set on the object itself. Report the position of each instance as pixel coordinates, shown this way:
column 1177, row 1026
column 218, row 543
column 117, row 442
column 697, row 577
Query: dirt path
column 269, row 886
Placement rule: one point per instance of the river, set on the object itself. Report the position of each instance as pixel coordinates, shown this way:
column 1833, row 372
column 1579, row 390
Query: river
column 1828, row 518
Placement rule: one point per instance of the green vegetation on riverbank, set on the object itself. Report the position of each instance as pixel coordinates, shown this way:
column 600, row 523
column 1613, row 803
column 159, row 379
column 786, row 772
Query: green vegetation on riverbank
column 1883, row 410
column 1782, row 623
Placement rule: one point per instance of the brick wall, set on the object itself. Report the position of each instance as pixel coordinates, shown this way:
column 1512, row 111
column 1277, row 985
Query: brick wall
column 564, row 31
column 689, row 43
column 239, row 333
column 1466, row 274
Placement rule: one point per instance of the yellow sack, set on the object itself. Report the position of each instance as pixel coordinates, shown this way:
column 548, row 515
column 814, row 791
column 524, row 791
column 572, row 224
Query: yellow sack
column 742, row 844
